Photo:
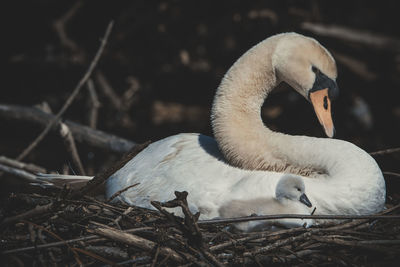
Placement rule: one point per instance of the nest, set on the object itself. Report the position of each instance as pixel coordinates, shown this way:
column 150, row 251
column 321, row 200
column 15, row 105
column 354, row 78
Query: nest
column 56, row 229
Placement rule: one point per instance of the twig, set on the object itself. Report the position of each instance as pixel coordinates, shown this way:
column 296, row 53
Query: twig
column 94, row 104
column 395, row 174
column 21, row 165
column 108, row 90
column 121, row 191
column 71, row 97
column 133, row 240
column 281, row 243
column 99, row 179
column 360, row 222
column 80, row 132
column 93, row 255
column 71, row 147
column 372, row 40
column 115, row 100
column 29, row 177
column 108, row 252
column 369, row 244
column 59, row 26
column 76, row 256
column 256, row 236
column 153, row 264
column 190, row 228
column 126, row 212
column 38, row 210
column 297, row 216
column 385, row 151
column 358, row 67
column 70, row 241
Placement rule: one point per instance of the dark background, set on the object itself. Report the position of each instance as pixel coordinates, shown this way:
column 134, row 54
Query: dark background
column 165, row 59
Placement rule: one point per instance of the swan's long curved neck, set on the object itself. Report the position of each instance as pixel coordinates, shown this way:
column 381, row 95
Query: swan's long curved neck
column 247, row 143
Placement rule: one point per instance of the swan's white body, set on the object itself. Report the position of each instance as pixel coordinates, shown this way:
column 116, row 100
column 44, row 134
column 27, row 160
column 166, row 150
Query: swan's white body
column 193, row 163
column 340, row 178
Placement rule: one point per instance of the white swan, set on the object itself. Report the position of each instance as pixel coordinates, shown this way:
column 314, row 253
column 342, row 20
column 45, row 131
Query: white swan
column 290, row 198
column 340, row 177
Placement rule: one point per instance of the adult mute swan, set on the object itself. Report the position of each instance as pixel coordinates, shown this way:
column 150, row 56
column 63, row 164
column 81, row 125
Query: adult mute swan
column 290, row 198
column 246, row 159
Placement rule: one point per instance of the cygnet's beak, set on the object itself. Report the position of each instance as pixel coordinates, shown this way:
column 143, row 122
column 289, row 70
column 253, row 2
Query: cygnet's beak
column 304, row 199
column 322, row 106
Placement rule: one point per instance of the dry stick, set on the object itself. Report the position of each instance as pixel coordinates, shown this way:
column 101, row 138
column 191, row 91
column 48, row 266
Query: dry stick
column 395, row 174
column 29, row 177
column 296, row 216
column 133, row 240
column 94, row 104
column 70, row 145
column 357, row 66
column 81, row 133
column 109, row 252
column 370, row 39
column 38, row 210
column 121, row 191
column 153, row 264
column 190, row 228
column 72, row 96
column 281, row 243
column 385, row 151
column 70, row 241
column 115, row 100
column 20, row 165
column 100, row 178
column 264, row 235
column 256, row 236
column 76, row 256
column 108, row 90
column 360, row 222
column 94, row 256
column 369, row 244
column 59, row 26
column 126, row 212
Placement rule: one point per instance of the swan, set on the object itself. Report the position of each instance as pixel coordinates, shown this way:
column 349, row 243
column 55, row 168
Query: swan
column 290, row 198
column 246, row 159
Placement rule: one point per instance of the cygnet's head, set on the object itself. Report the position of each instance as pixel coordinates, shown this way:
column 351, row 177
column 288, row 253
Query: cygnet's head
column 310, row 69
column 292, row 187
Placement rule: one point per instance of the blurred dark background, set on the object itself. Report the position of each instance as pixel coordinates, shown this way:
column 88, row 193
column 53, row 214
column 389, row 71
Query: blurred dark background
column 165, row 59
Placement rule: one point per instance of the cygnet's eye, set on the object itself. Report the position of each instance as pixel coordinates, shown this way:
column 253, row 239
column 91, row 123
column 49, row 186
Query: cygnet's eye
column 315, row 69
column 298, row 189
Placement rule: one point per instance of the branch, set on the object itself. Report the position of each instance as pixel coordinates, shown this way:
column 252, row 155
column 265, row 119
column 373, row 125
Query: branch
column 23, row 166
column 71, row 97
column 80, row 132
column 100, row 178
column 385, row 151
column 372, row 40
column 38, row 210
column 70, row 241
column 94, row 104
column 29, row 177
column 121, row 191
column 69, row 143
column 59, row 26
column 136, row 241
column 297, row 216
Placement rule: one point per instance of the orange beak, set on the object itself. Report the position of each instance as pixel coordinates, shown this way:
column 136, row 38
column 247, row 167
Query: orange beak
column 322, row 107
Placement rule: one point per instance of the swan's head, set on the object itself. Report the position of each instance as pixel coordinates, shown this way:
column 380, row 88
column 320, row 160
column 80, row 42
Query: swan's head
column 310, row 69
column 292, row 187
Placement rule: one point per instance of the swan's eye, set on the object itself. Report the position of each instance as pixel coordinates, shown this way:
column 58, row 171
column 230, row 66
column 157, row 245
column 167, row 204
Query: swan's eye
column 315, row 69
column 298, row 189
